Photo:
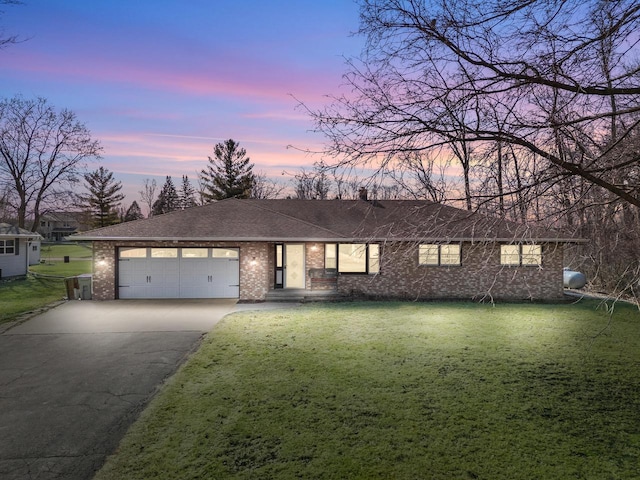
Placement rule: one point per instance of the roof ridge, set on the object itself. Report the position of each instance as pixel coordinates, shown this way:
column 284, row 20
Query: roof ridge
column 157, row 216
column 264, row 207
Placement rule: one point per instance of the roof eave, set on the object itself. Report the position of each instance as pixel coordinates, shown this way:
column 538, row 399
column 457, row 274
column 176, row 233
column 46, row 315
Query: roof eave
column 322, row 239
column 35, row 236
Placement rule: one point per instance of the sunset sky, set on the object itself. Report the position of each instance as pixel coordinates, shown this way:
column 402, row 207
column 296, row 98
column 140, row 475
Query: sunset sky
column 159, row 82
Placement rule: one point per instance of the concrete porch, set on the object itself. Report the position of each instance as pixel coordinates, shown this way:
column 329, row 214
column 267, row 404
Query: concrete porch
column 302, row 295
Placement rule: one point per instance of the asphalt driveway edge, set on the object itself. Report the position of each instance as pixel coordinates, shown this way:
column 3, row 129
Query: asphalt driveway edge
column 23, row 317
column 77, row 376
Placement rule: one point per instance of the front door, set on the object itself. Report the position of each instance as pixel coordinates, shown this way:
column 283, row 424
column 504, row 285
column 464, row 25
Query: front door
column 290, row 266
column 294, row 265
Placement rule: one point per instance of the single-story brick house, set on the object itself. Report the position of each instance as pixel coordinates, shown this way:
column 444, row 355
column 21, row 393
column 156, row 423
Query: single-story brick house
column 19, row 248
column 247, row 249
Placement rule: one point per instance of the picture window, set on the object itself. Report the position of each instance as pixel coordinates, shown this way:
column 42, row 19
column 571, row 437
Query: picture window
column 356, row 258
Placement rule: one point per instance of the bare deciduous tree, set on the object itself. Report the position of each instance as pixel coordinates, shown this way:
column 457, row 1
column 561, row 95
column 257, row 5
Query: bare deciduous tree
column 545, row 94
column 529, row 71
column 265, row 188
column 41, row 154
column 5, row 205
column 421, row 176
column 8, row 39
column 148, row 194
column 312, row 185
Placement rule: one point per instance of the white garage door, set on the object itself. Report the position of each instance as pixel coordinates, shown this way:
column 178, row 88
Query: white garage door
column 178, row 272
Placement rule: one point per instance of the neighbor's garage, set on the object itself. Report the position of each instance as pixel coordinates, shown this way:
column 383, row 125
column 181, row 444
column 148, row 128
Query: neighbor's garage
column 150, row 272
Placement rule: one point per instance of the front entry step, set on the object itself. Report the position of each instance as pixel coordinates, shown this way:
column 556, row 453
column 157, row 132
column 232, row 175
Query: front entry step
column 303, row 295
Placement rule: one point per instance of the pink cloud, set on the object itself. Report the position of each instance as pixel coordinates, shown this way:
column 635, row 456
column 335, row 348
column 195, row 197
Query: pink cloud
column 164, row 154
column 264, row 83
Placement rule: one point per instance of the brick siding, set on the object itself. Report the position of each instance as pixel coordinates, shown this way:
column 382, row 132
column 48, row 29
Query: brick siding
column 254, row 266
column 479, row 277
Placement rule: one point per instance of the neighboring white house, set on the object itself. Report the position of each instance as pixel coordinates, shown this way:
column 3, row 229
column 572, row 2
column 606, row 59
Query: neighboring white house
column 19, row 248
column 57, row 226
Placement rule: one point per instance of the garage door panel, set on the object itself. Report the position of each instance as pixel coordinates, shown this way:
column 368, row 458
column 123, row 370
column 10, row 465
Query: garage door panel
column 215, row 275
column 126, row 292
column 194, row 278
column 133, row 278
column 225, row 278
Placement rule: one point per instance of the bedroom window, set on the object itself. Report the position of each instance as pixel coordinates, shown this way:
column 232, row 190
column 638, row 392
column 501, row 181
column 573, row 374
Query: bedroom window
column 358, row 258
column 7, row 247
column 439, row 255
column 516, row 255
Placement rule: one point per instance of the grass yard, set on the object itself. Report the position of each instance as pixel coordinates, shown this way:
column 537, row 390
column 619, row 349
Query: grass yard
column 72, row 250
column 399, row 391
column 61, row 269
column 33, row 292
column 25, row 295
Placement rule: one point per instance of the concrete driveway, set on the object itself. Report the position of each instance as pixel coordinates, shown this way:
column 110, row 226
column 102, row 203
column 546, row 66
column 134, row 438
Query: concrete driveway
column 73, row 379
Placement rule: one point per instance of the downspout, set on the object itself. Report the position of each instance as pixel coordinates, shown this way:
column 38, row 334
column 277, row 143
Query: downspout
column 27, row 247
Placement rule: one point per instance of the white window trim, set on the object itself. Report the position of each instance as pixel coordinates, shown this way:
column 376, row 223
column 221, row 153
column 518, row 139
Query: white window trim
column 368, row 259
column 439, row 253
column 4, row 247
column 522, row 255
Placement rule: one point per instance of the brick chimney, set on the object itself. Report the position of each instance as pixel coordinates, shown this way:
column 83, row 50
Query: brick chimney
column 362, row 193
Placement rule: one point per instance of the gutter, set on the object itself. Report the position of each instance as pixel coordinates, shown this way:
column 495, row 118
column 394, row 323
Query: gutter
column 325, row 239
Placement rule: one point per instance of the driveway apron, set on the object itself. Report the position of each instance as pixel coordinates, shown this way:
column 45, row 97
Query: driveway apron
column 73, row 379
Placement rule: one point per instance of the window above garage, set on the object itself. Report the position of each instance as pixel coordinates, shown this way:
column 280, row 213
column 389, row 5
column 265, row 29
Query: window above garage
column 127, row 252
column 186, row 252
column 195, row 253
column 164, row 253
column 225, row 253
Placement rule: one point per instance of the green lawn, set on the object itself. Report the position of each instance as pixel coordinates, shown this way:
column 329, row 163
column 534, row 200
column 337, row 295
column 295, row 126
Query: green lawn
column 25, row 295
column 61, row 269
column 33, row 292
column 400, row 391
column 72, row 250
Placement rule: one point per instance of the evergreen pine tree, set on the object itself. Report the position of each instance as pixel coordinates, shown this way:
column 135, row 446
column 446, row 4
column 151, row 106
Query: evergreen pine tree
column 229, row 174
column 103, row 197
column 187, row 194
column 133, row 212
column 168, row 200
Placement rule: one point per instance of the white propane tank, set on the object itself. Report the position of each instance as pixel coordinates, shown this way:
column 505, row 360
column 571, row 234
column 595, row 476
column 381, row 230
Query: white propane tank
column 573, row 279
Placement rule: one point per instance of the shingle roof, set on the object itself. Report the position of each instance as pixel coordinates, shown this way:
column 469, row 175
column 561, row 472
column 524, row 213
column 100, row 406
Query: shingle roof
column 322, row 220
column 7, row 230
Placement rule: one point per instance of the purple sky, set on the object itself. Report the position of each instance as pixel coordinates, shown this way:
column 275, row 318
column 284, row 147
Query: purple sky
column 159, row 82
